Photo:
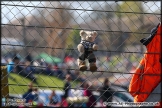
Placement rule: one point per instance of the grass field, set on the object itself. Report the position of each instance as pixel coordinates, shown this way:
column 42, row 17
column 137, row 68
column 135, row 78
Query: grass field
column 20, row 85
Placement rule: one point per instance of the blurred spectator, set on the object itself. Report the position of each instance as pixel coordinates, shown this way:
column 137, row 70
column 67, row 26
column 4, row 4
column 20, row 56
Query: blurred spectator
column 63, row 69
column 3, row 60
column 78, row 76
column 68, row 71
column 43, row 63
column 37, row 69
column 54, row 99
column 92, row 101
column 49, row 70
column 28, row 95
column 29, row 58
column 106, row 92
column 17, row 68
column 35, row 93
column 67, row 89
column 29, row 71
column 55, row 67
column 23, row 71
column 67, row 86
column 10, row 68
column 36, row 63
column 69, row 61
column 58, row 72
column 71, row 73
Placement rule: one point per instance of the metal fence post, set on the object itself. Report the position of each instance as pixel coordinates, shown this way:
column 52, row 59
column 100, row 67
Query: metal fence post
column 4, row 83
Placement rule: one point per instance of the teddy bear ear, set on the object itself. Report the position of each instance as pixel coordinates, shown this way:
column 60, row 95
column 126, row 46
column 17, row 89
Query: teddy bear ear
column 82, row 32
column 95, row 33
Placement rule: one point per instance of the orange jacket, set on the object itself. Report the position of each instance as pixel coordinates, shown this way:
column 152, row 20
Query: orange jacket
column 142, row 84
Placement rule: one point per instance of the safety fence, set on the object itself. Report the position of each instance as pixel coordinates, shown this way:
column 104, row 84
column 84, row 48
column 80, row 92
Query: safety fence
column 39, row 51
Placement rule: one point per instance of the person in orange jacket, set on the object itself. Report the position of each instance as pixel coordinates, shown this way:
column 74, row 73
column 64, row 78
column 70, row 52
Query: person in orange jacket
column 147, row 74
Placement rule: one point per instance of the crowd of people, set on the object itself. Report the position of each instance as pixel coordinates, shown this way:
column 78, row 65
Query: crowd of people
column 25, row 70
column 32, row 95
column 28, row 69
column 60, row 71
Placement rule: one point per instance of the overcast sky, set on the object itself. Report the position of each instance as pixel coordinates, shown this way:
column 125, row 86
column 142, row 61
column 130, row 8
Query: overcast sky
column 9, row 13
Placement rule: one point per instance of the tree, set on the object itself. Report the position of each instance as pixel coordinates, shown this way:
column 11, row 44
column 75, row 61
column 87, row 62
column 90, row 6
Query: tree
column 97, row 15
column 58, row 20
column 135, row 21
column 106, row 17
column 72, row 41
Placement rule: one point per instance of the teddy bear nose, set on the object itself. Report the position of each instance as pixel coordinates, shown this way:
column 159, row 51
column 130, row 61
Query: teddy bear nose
column 90, row 36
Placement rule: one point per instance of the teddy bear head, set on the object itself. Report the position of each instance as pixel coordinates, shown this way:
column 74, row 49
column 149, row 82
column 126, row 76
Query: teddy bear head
column 88, row 35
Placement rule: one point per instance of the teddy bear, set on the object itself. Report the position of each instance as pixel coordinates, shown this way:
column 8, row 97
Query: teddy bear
column 86, row 48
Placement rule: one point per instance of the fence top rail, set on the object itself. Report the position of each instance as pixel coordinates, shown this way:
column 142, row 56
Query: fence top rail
column 79, row 9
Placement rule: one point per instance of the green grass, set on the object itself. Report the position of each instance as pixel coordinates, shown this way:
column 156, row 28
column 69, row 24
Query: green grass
column 43, row 80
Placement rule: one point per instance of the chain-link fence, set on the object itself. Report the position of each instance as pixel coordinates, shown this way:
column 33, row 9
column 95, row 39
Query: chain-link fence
column 39, row 51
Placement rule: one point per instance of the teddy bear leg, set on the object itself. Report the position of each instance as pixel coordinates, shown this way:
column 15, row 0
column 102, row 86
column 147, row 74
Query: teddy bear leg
column 92, row 61
column 82, row 65
column 93, row 67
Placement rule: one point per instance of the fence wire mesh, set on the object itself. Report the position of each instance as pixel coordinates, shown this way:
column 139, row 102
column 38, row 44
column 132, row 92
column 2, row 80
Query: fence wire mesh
column 39, row 49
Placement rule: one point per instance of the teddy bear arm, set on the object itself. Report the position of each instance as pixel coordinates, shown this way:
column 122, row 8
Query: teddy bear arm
column 80, row 48
column 95, row 47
